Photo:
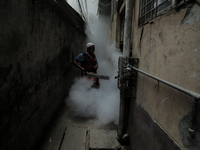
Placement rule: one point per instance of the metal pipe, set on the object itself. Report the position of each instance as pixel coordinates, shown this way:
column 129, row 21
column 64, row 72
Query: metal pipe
column 196, row 97
column 126, row 52
column 188, row 92
column 121, row 125
column 194, row 123
column 127, row 28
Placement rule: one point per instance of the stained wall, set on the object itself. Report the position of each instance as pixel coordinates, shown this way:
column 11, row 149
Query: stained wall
column 168, row 48
column 38, row 41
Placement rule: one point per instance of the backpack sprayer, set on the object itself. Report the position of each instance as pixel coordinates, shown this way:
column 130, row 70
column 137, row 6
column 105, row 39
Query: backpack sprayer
column 94, row 75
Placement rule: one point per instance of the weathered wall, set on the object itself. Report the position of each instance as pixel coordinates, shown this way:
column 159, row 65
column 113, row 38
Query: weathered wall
column 145, row 132
column 114, row 27
column 168, row 48
column 114, row 24
column 38, row 41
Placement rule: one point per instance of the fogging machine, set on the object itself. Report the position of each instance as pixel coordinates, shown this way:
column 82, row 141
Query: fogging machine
column 94, row 75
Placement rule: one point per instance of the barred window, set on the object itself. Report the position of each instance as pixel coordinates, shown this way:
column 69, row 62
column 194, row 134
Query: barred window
column 149, row 9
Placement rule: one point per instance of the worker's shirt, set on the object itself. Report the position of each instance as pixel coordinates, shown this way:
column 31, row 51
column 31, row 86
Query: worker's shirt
column 80, row 58
column 87, row 61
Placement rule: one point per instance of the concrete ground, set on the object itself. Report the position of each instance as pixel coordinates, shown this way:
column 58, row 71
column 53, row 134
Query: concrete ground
column 69, row 132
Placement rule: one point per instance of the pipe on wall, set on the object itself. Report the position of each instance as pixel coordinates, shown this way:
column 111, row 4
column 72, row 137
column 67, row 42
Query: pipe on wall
column 124, row 101
column 194, row 123
column 127, row 28
column 196, row 97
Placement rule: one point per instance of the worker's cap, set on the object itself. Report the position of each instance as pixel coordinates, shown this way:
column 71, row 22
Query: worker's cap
column 89, row 44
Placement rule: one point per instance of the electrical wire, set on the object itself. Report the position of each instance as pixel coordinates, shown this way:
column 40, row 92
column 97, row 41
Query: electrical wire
column 106, row 5
column 86, row 8
column 101, row 8
column 81, row 11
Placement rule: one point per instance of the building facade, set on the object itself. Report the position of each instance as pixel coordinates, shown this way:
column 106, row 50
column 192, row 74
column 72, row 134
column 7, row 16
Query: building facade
column 165, row 37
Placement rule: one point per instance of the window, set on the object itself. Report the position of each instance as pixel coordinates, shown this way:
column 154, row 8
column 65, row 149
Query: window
column 150, row 9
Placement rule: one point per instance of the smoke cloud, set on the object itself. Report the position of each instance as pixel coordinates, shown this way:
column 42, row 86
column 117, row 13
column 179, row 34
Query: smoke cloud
column 102, row 103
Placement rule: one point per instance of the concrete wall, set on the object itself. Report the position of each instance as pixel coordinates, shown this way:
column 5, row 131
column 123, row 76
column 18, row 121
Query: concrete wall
column 168, row 48
column 38, row 40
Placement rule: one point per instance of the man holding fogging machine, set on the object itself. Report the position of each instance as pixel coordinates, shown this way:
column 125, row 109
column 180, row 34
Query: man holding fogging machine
column 89, row 63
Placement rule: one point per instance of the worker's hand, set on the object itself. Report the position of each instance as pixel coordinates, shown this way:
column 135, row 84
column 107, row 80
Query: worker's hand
column 96, row 67
column 82, row 69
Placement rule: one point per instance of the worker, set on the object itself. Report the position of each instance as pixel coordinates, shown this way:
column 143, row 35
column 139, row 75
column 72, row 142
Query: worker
column 88, row 63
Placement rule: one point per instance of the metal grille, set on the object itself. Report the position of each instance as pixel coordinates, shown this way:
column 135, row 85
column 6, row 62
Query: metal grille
column 149, row 9
column 127, row 77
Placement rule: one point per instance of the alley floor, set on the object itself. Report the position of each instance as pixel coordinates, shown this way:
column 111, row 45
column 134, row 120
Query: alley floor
column 69, row 132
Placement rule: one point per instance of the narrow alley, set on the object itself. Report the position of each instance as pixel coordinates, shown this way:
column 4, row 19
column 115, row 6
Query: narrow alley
column 69, row 132
column 144, row 56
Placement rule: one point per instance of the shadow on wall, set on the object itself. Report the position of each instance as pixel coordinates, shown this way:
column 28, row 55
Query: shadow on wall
column 190, row 141
column 148, row 134
column 37, row 40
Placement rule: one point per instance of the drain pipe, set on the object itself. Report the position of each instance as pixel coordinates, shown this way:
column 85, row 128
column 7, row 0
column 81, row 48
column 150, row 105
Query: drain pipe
column 127, row 28
column 194, row 123
column 124, row 101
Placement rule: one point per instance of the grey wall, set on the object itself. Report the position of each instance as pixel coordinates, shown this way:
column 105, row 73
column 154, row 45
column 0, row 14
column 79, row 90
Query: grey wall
column 38, row 40
column 146, row 133
column 167, row 48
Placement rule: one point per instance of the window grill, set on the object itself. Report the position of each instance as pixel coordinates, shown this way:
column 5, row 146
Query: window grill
column 149, row 9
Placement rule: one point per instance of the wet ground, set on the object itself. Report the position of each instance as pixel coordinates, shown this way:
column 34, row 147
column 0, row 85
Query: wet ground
column 69, row 132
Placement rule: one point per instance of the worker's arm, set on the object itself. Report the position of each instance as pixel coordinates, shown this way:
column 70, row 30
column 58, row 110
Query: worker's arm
column 96, row 66
column 77, row 65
